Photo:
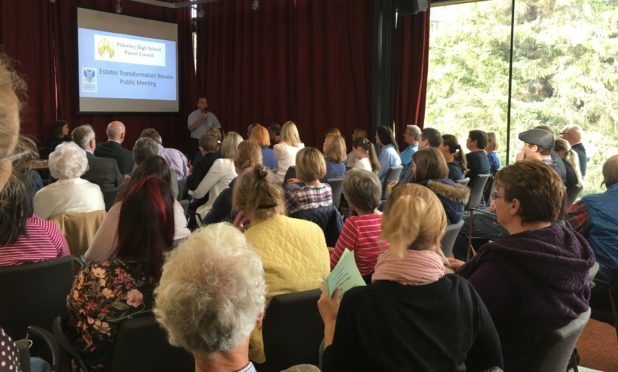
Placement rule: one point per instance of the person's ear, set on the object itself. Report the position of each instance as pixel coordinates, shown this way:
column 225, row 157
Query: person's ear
column 515, row 205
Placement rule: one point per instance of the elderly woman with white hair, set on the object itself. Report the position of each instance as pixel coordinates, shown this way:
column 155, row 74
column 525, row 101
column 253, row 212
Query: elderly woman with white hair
column 210, row 297
column 70, row 194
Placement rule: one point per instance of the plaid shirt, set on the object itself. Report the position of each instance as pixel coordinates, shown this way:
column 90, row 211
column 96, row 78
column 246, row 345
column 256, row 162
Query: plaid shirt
column 577, row 217
column 299, row 198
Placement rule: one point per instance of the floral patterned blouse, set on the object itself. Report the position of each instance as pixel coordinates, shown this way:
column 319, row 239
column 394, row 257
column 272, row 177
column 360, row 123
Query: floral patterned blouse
column 103, row 295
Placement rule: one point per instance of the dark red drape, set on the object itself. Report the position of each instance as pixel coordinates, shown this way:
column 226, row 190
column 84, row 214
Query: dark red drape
column 41, row 36
column 411, row 59
column 305, row 60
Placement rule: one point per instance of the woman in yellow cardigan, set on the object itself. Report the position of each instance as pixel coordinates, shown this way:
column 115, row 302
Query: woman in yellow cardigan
column 293, row 251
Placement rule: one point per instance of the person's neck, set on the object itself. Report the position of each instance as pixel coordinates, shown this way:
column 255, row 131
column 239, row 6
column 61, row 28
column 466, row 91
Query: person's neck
column 475, row 149
column 521, row 226
column 313, row 183
column 363, row 213
column 448, row 157
column 224, row 361
column 115, row 140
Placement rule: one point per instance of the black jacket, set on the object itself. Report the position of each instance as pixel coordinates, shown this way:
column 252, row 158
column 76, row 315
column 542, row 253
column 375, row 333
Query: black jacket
column 114, row 150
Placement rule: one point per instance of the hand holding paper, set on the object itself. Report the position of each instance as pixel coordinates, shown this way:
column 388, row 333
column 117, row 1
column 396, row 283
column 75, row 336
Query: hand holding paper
column 345, row 275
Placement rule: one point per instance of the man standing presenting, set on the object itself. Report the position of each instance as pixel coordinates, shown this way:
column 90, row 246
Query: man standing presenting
column 199, row 122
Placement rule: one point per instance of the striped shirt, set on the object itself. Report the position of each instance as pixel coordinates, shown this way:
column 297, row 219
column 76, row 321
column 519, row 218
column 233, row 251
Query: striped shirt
column 308, row 197
column 361, row 235
column 42, row 241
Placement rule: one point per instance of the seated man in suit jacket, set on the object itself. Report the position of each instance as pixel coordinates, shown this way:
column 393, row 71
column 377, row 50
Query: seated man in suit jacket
column 102, row 171
column 113, row 149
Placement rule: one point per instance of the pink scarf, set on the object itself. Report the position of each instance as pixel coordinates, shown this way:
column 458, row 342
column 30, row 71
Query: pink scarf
column 415, row 268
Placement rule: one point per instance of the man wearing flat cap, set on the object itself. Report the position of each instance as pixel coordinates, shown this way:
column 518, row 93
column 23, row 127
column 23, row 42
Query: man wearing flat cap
column 538, row 145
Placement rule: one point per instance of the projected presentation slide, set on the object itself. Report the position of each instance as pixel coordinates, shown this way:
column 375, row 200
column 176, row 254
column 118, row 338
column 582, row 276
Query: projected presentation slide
column 126, row 64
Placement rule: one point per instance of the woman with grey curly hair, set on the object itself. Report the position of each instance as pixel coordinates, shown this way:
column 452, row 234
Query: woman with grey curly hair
column 70, row 194
column 210, row 297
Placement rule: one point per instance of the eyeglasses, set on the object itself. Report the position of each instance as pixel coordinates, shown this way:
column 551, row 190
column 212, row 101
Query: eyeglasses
column 494, row 196
column 15, row 156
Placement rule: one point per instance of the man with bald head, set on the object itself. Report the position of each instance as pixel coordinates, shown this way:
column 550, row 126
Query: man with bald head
column 573, row 134
column 113, row 149
column 595, row 217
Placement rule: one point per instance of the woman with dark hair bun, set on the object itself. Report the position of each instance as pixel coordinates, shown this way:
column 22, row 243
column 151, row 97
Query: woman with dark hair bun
column 108, row 292
column 59, row 133
column 389, row 154
column 454, row 156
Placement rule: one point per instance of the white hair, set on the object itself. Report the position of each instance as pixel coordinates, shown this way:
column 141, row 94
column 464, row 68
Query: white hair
column 212, row 290
column 67, row 161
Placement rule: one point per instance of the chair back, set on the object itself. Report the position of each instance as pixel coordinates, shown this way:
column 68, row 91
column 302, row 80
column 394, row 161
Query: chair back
column 464, row 181
column 336, row 184
column 290, row 173
column 449, row 237
column 181, row 187
column 477, row 185
column 109, row 197
column 34, row 294
column 392, row 174
column 328, row 218
column 555, row 350
column 141, row 345
column 79, row 229
column 292, row 330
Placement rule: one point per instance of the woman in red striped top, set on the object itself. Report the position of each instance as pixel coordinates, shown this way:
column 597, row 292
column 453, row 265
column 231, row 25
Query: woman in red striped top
column 361, row 233
column 24, row 237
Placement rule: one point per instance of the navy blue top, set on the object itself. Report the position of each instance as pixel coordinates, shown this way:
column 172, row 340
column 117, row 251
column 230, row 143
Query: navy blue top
column 334, row 170
column 268, row 158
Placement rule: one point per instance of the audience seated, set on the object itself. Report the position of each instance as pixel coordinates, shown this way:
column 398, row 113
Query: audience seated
column 595, row 216
column 219, row 175
column 249, row 155
column 105, row 293
column 430, row 137
column 24, row 237
column 12, row 89
column 259, row 134
column 494, row 160
column 274, row 131
column 286, row 150
column 413, row 317
column 334, row 154
column 310, row 192
column 293, row 251
column 411, row 136
column 101, row 171
column 357, row 133
column 430, row 170
column 176, row 159
column 365, row 154
column 211, row 296
column 389, row 153
column 113, row 149
column 539, row 145
column 571, row 164
column 106, row 240
column 573, row 134
column 209, row 149
column 145, row 148
column 59, row 134
column 536, row 279
column 454, row 156
column 361, row 233
column 477, row 160
column 70, row 194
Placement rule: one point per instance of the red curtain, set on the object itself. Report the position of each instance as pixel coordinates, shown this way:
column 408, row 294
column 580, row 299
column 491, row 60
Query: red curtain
column 41, row 35
column 305, row 60
column 411, row 58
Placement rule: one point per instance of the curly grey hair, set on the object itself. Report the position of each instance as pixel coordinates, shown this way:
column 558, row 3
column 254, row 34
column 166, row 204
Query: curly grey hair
column 67, row 161
column 212, row 290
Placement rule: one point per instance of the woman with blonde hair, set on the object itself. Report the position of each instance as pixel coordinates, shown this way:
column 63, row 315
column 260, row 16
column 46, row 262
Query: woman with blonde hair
column 571, row 164
column 334, row 153
column 286, row 150
column 259, row 134
column 12, row 88
column 309, row 193
column 411, row 317
column 293, row 251
column 492, row 145
column 219, row 175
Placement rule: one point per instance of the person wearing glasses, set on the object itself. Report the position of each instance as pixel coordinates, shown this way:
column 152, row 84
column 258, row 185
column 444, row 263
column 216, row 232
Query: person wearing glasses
column 536, row 279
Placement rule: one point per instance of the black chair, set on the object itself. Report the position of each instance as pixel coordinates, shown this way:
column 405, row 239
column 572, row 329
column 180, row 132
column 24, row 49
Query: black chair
column 109, row 197
column 181, row 187
column 140, row 345
column 34, row 294
column 392, row 174
column 609, row 316
column 554, row 352
column 336, row 184
column 290, row 173
column 449, row 237
column 328, row 218
column 477, row 185
column 292, row 331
